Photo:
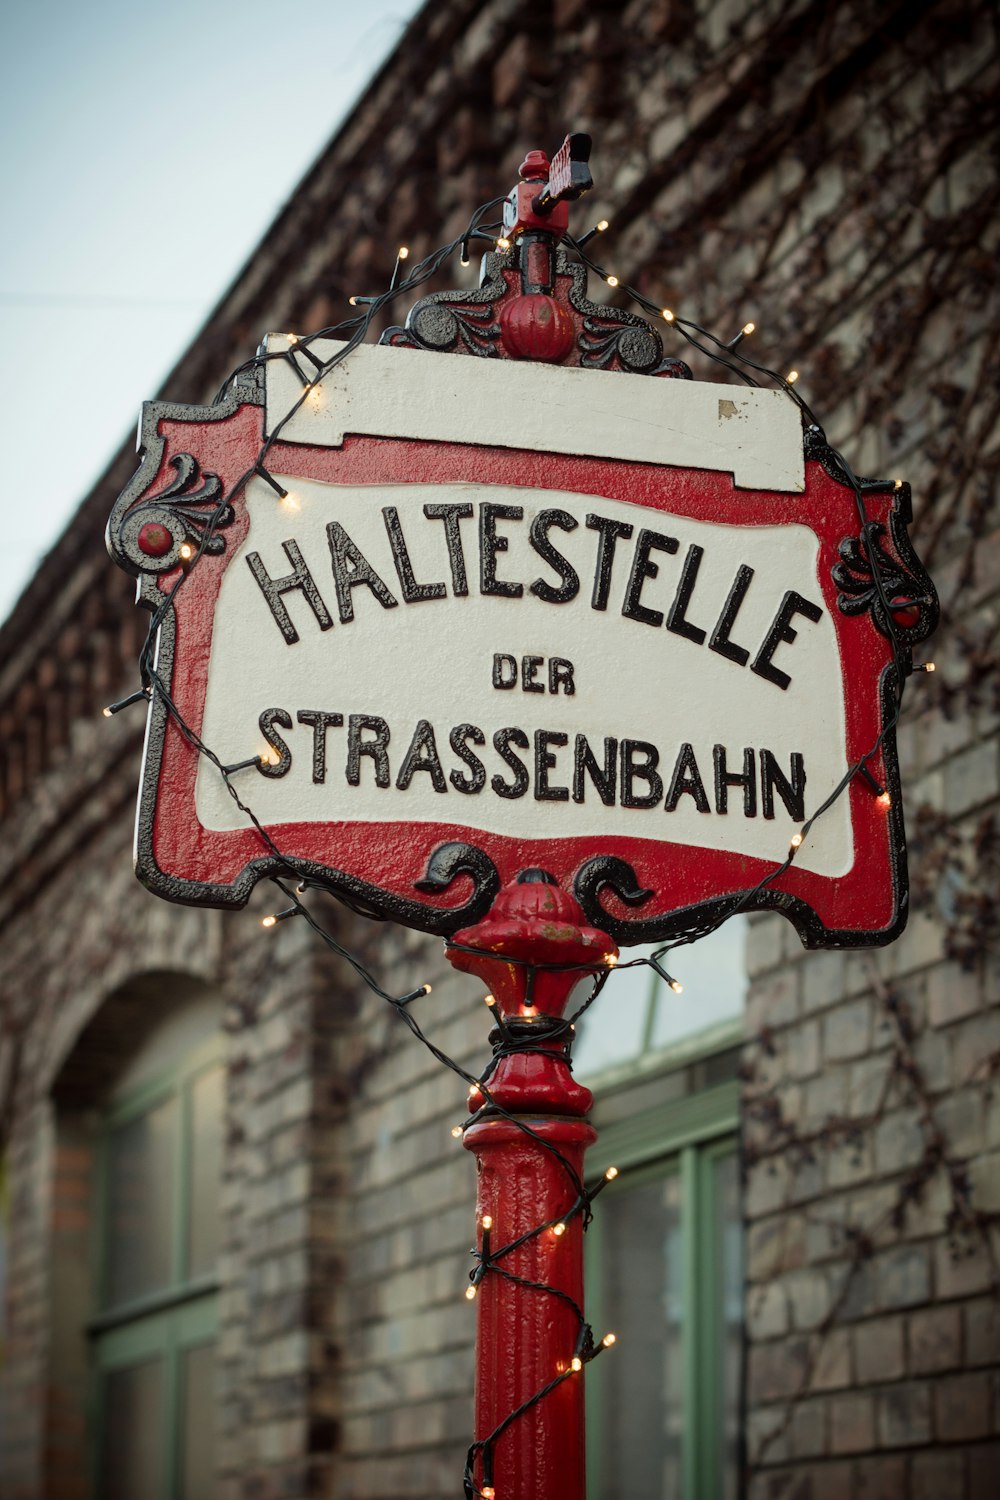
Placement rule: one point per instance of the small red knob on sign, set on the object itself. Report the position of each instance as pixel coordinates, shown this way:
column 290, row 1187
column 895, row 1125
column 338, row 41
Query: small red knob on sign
column 906, row 612
column 154, row 539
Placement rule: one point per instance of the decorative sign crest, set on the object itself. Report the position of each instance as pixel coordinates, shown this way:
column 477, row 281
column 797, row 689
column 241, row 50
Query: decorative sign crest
column 477, row 615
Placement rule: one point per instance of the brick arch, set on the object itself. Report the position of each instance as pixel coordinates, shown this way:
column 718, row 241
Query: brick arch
column 119, row 1026
column 122, row 1023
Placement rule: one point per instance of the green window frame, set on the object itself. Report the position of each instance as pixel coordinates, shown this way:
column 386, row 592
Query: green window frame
column 687, row 1138
column 170, row 1323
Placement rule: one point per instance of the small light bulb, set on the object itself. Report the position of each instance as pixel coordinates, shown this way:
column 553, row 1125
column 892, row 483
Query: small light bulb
column 576, row 1363
column 884, row 799
column 608, row 1340
column 558, row 1229
column 269, row 921
column 487, row 1221
column 612, row 280
column 470, row 1294
column 792, row 376
column 667, row 315
column 897, row 484
column 289, row 502
column 795, row 840
column 186, row 551
column 292, row 338
column 107, row 713
column 611, row 1174
column 488, row 1492
column 403, row 252
column 749, row 327
column 602, row 226
column 503, row 243
column 677, row 987
column 490, row 1000
column 528, row 1010
column 473, row 1089
column 457, row 1132
column 929, row 666
column 611, row 960
column 427, row 988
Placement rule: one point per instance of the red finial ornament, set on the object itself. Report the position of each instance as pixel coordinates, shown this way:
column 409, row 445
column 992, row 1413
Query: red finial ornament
column 537, row 326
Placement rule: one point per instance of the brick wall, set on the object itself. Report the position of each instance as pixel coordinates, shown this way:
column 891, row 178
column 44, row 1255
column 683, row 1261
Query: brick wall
column 828, row 171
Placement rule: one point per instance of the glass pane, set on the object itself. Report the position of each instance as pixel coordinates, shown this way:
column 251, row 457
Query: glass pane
column 642, row 1302
column 613, row 1029
column 198, row 1419
column 141, row 1162
column 729, row 1297
column 133, row 1450
column 206, row 1171
column 713, row 973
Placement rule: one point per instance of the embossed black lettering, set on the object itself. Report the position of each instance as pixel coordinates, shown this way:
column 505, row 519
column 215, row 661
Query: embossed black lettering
column 351, row 568
column 782, row 630
column 561, row 676
column 490, row 544
column 544, row 763
column 413, row 592
column 299, row 578
column 504, row 671
column 609, row 533
column 321, row 721
column 686, row 780
column 791, row 789
column 458, row 740
column 642, row 568
column 677, row 619
column 266, row 723
column 376, row 749
column 422, row 755
column 451, row 514
column 720, row 641
column 604, row 777
column 501, row 744
column 724, row 779
column 634, row 770
column 539, row 537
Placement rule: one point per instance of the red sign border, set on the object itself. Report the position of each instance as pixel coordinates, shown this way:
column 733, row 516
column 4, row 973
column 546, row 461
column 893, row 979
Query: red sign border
column 611, row 875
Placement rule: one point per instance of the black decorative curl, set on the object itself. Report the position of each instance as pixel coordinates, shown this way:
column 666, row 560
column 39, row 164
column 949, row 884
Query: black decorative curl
column 904, row 581
column 448, row 322
column 190, row 508
column 447, row 862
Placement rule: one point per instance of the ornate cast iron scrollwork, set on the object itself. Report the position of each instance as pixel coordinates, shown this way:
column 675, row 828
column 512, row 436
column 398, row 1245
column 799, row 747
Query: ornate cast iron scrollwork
column 188, row 509
column 480, row 322
column 903, row 581
column 446, row 864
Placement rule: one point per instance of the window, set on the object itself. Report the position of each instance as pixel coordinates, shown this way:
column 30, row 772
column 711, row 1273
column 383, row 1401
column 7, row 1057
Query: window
column 664, row 1254
column 638, row 1015
column 159, row 1223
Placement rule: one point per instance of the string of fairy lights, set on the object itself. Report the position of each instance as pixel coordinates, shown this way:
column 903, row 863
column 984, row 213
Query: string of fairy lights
column 491, row 1259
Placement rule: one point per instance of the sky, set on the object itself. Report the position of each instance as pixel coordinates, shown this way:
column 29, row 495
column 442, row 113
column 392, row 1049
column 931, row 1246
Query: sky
column 140, row 167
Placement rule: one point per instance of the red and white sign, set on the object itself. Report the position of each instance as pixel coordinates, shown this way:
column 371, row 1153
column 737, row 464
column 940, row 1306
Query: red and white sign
column 511, row 615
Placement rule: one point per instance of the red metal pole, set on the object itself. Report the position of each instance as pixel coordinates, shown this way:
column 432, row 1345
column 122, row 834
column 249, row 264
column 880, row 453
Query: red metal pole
column 525, row 1337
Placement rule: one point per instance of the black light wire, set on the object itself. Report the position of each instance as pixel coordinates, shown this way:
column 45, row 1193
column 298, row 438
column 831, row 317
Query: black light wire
column 488, row 1259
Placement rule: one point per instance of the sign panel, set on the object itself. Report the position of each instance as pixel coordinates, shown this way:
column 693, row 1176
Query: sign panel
column 478, row 615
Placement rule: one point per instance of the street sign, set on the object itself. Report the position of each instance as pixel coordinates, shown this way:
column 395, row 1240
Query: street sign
column 477, row 615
